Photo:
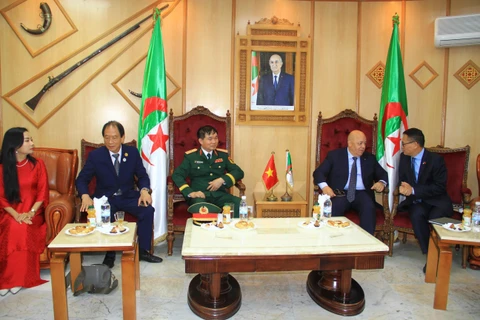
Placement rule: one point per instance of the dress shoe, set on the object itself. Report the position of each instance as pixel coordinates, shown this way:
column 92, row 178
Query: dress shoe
column 147, row 256
column 14, row 290
column 425, row 268
column 109, row 261
column 4, row 292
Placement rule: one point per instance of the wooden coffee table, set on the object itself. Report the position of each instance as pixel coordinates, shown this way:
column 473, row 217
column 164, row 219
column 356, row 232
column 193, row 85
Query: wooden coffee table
column 280, row 244
column 64, row 245
column 439, row 260
column 279, row 209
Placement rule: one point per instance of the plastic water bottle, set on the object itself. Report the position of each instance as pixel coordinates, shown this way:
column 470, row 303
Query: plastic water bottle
column 327, row 208
column 243, row 210
column 105, row 213
column 476, row 218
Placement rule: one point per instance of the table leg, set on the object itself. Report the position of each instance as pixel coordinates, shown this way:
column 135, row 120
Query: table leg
column 214, row 295
column 336, row 292
column 129, row 284
column 59, row 293
column 137, row 268
column 443, row 277
column 75, row 268
column 432, row 258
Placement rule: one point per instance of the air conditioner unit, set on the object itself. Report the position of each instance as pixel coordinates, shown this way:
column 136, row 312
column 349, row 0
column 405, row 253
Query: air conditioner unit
column 457, row 31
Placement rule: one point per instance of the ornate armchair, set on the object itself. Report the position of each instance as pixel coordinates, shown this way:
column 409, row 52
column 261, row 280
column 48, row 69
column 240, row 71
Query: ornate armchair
column 62, row 165
column 456, row 161
column 474, row 251
column 183, row 137
column 332, row 134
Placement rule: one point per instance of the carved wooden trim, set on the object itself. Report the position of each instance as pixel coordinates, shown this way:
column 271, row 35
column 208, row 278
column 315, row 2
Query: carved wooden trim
column 127, row 96
column 417, row 81
column 468, row 74
column 18, row 31
column 270, row 35
column 28, row 114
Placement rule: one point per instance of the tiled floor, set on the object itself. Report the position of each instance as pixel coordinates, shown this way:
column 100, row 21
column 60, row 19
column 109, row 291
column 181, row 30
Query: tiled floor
column 396, row 292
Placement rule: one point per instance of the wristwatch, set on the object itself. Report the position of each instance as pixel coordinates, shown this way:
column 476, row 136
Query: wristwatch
column 33, row 210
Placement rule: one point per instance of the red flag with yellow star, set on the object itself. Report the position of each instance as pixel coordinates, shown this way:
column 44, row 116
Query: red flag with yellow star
column 269, row 176
column 153, row 127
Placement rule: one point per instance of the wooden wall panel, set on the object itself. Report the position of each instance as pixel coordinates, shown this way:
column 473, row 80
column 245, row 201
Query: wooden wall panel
column 209, row 55
column 199, row 46
column 463, row 112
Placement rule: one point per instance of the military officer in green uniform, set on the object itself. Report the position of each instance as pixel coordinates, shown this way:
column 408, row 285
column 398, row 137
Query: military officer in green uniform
column 211, row 172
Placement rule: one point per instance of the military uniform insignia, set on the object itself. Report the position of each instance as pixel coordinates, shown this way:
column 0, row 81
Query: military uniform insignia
column 190, row 151
column 218, row 160
column 231, row 160
column 198, row 161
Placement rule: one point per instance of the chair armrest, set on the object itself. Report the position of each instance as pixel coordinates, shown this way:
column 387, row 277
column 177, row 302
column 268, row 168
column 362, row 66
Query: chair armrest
column 466, row 195
column 58, row 213
column 241, row 187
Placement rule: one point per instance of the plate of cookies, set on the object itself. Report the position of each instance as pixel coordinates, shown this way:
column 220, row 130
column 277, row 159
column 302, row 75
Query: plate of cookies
column 339, row 224
column 455, row 227
column 243, row 225
column 80, row 231
column 310, row 224
column 212, row 226
column 113, row 230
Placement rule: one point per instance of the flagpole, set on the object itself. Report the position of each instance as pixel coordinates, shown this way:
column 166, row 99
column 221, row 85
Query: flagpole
column 286, row 196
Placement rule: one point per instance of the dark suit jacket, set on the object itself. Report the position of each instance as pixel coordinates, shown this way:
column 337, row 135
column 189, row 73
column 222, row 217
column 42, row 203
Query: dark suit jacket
column 100, row 165
column 334, row 170
column 431, row 186
column 284, row 94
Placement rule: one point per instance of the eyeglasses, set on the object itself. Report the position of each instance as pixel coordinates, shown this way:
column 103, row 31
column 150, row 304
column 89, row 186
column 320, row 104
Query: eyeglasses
column 405, row 143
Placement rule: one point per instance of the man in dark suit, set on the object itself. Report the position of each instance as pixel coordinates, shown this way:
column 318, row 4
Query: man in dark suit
column 355, row 190
column 115, row 165
column 206, row 173
column 276, row 87
column 423, row 180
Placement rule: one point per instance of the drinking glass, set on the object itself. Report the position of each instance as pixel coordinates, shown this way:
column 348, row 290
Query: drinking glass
column 228, row 216
column 119, row 217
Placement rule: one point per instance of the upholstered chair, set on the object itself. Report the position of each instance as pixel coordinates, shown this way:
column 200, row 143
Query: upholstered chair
column 332, row 133
column 183, row 137
column 456, row 161
column 62, row 165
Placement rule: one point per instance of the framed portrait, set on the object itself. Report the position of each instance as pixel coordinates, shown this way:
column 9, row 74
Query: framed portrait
column 272, row 76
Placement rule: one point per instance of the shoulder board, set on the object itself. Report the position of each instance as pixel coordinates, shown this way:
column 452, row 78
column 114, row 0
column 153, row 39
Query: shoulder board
column 191, row 151
column 222, row 150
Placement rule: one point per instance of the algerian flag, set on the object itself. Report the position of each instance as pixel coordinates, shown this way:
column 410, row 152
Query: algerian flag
column 289, row 171
column 153, row 127
column 254, row 77
column 393, row 112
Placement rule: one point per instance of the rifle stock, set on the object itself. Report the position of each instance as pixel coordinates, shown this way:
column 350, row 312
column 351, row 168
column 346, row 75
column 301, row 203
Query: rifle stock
column 32, row 103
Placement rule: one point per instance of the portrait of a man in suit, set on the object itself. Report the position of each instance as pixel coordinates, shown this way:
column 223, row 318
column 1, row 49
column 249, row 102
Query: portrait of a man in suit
column 276, row 87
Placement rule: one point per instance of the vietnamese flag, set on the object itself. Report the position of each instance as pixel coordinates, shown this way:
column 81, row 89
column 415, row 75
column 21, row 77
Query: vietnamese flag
column 153, row 126
column 269, row 176
column 393, row 112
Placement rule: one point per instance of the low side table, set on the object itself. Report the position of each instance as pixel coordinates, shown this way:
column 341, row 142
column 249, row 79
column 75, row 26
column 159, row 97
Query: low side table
column 296, row 208
column 64, row 245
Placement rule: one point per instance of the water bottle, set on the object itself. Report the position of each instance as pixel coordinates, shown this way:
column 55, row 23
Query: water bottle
column 476, row 218
column 243, row 208
column 327, row 208
column 105, row 213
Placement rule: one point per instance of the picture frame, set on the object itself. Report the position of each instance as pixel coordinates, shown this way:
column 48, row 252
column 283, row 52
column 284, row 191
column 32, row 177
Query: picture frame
column 272, row 75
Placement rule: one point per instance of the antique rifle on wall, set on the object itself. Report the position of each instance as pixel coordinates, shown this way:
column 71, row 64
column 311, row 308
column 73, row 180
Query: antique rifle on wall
column 46, row 15
column 32, row 103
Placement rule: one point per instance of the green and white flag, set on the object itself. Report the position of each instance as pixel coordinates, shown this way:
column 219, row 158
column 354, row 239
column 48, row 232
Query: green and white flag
column 289, row 171
column 254, row 78
column 153, row 127
column 393, row 112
